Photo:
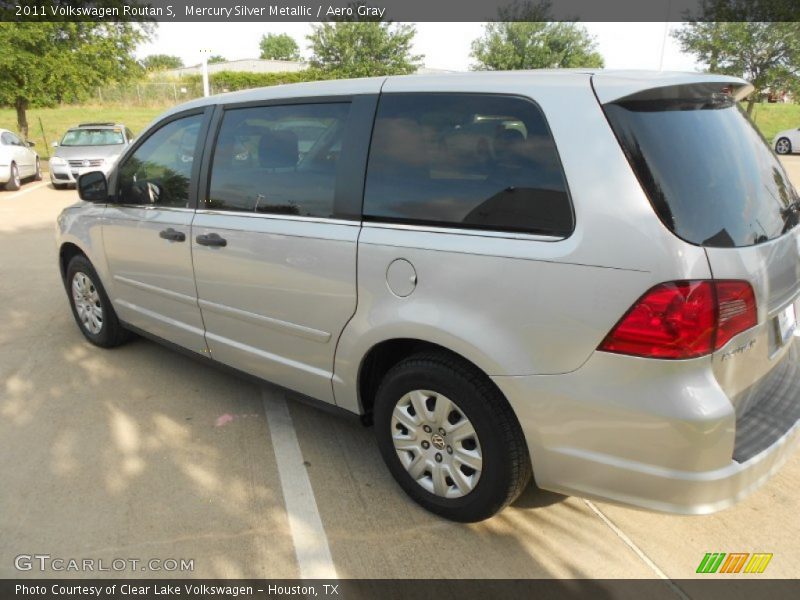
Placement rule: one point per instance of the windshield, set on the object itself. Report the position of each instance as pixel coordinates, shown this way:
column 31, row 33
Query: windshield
column 92, row 137
column 710, row 175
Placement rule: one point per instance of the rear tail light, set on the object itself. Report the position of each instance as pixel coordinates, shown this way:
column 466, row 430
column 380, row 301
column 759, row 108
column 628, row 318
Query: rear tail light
column 737, row 310
column 684, row 319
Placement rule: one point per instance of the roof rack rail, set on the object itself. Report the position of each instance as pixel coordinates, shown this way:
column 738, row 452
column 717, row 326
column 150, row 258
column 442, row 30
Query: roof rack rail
column 90, row 124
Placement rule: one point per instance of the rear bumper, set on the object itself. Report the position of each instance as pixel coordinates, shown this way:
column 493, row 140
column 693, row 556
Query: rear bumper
column 654, row 434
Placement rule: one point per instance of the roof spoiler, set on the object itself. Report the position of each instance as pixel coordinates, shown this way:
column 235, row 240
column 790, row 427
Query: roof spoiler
column 664, row 86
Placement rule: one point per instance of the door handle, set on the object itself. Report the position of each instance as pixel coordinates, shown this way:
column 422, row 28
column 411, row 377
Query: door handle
column 211, row 239
column 172, row 235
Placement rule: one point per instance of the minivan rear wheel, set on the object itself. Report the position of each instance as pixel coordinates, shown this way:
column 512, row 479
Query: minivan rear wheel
column 91, row 307
column 783, row 146
column 450, row 438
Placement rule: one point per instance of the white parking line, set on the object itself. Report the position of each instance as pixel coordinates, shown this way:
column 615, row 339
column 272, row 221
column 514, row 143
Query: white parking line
column 308, row 534
column 24, row 191
column 638, row 551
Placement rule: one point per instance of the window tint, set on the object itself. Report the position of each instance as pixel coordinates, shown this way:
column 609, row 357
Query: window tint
column 158, row 173
column 466, row 160
column 278, row 159
column 710, row 176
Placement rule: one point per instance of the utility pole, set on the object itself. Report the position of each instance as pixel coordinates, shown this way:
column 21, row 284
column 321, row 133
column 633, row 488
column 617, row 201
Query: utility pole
column 664, row 38
column 204, row 55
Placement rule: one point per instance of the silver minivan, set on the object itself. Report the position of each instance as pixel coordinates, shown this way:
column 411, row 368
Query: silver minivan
column 587, row 279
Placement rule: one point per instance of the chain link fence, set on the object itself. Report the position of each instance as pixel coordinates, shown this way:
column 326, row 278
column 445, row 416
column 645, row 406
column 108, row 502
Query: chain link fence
column 149, row 93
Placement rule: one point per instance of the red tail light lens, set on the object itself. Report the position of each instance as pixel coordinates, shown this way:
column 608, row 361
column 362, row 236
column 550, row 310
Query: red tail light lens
column 683, row 319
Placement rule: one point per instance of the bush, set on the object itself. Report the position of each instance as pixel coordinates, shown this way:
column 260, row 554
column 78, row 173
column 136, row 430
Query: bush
column 236, row 80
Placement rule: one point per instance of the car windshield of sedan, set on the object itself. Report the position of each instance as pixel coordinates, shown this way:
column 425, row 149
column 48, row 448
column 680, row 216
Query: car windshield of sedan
column 92, row 137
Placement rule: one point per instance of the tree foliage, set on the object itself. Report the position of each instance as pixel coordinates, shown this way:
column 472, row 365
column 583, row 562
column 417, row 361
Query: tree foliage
column 766, row 54
column 161, row 62
column 44, row 63
column 523, row 39
column 363, row 49
column 279, row 46
column 216, row 58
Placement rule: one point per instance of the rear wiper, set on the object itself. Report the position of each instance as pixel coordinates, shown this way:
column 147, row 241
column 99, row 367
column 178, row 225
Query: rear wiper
column 791, row 208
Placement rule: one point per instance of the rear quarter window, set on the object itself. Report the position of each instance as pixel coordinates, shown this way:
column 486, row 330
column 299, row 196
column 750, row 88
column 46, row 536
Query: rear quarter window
column 470, row 161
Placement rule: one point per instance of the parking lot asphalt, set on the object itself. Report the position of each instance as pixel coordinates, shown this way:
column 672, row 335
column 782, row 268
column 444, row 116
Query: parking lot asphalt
column 142, row 453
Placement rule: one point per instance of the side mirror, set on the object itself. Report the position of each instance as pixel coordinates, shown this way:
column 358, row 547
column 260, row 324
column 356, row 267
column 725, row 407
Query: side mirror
column 30, row 144
column 54, row 144
column 93, row 187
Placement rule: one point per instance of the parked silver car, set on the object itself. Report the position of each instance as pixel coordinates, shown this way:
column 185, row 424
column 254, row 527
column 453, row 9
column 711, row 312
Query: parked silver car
column 510, row 274
column 87, row 147
column 18, row 161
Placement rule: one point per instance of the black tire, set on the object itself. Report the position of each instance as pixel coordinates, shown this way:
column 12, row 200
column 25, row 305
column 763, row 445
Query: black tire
column 506, row 469
column 111, row 333
column 14, row 182
column 38, row 175
column 59, row 186
column 788, row 146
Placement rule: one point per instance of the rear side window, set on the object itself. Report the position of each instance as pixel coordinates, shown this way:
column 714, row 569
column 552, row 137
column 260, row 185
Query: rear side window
column 278, row 159
column 710, row 176
column 467, row 161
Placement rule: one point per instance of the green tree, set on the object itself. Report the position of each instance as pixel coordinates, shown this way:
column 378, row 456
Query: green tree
column 766, row 54
column 161, row 62
column 363, row 49
column 44, row 63
column 522, row 39
column 216, row 58
column 279, row 46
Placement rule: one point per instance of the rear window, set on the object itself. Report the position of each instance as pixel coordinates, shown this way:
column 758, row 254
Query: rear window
column 471, row 161
column 709, row 174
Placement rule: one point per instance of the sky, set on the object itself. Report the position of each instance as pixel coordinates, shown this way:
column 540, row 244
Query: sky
column 445, row 45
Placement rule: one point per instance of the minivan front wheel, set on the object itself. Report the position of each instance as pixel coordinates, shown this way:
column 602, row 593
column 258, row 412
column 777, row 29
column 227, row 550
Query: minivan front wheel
column 90, row 305
column 783, row 146
column 449, row 437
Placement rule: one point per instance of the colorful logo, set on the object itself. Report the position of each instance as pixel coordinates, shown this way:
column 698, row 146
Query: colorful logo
column 734, row 562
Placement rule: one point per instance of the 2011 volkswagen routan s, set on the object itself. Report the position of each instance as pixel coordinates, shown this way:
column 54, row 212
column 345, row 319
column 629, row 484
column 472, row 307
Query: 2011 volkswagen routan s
column 587, row 278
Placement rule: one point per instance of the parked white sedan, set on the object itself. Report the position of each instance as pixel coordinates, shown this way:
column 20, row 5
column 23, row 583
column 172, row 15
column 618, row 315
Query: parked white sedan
column 18, row 161
column 787, row 141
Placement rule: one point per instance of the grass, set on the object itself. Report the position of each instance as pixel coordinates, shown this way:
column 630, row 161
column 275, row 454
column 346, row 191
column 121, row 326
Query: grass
column 770, row 119
column 56, row 121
